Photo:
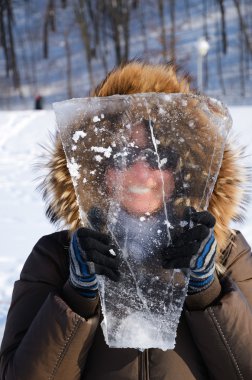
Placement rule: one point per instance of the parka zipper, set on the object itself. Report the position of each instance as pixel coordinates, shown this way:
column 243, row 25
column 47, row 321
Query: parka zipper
column 144, row 365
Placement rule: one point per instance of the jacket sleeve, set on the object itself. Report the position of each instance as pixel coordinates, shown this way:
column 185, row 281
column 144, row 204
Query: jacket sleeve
column 44, row 338
column 222, row 328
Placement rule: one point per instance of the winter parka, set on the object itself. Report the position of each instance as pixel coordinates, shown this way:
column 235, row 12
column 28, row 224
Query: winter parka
column 54, row 333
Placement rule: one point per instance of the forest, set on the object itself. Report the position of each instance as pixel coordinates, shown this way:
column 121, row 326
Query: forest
column 110, row 32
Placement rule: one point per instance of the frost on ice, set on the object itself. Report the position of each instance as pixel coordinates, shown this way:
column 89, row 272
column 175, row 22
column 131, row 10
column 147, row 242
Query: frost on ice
column 147, row 158
column 73, row 168
column 100, row 149
column 77, row 135
column 163, row 161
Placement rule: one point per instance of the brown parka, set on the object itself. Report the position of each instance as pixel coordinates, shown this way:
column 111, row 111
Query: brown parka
column 54, row 333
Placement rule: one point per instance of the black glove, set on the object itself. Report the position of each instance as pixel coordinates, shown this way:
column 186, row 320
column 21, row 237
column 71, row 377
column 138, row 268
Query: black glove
column 191, row 242
column 91, row 253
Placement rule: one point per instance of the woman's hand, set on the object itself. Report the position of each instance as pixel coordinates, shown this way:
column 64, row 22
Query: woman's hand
column 91, row 253
column 195, row 249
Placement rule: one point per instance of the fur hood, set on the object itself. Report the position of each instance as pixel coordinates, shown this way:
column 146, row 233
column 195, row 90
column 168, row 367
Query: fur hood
column 229, row 195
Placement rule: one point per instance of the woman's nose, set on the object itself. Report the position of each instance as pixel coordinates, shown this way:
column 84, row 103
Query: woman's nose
column 142, row 171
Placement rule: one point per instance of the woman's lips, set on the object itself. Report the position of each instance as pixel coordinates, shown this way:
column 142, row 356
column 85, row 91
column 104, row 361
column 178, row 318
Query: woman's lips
column 139, row 190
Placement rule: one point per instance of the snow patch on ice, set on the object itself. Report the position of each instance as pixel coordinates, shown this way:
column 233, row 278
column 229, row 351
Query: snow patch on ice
column 167, row 223
column 161, row 111
column 183, row 223
column 99, row 149
column 77, row 135
column 96, row 119
column 73, row 168
column 163, row 162
column 168, row 97
column 98, row 158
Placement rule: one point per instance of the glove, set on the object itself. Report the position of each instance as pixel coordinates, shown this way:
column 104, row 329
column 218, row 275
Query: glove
column 91, row 253
column 195, row 248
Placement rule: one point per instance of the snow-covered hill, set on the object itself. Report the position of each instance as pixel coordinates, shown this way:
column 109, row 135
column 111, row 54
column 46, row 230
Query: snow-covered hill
column 22, row 210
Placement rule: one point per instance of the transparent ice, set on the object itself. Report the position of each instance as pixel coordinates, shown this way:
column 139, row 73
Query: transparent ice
column 137, row 161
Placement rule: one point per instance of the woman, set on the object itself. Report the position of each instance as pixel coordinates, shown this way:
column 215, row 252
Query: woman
column 53, row 329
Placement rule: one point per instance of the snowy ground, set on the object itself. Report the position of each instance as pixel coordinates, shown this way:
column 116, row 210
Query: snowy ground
column 22, row 210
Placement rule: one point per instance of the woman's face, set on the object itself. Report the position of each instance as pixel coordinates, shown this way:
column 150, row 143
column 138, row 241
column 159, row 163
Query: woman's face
column 140, row 189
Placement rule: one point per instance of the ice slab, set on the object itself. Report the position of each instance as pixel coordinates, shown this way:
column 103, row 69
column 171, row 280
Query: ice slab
column 137, row 161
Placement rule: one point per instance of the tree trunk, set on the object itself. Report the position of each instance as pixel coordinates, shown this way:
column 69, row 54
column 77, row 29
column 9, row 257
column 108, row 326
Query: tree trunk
column 141, row 16
column 243, row 25
column 172, row 6
column 163, row 30
column 223, row 26
column 205, row 33
column 219, row 59
column 13, row 62
column 86, row 38
column 68, row 66
column 3, row 41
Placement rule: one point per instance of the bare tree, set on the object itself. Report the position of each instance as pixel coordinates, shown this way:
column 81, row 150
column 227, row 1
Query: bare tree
column 223, row 25
column 105, row 29
column 49, row 22
column 3, row 37
column 243, row 25
column 241, row 64
column 142, row 20
column 68, row 63
column 205, row 33
column 7, row 41
column 103, row 46
column 172, row 11
column 64, row 3
column 219, row 59
column 30, row 35
column 248, row 55
column 161, row 13
column 118, row 13
column 187, row 12
column 81, row 14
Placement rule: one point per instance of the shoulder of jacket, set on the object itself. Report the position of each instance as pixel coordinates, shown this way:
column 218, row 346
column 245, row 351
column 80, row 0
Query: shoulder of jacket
column 238, row 257
column 48, row 261
column 59, row 238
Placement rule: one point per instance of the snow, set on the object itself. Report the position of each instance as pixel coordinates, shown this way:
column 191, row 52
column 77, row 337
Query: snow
column 96, row 118
column 78, row 134
column 22, row 211
column 106, row 151
column 73, row 168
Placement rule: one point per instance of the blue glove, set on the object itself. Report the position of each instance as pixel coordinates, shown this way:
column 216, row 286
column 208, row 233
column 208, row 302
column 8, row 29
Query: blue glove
column 91, row 253
column 202, row 264
column 195, row 248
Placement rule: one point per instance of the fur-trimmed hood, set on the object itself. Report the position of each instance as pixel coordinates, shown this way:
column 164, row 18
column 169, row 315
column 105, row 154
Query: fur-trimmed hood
column 135, row 77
